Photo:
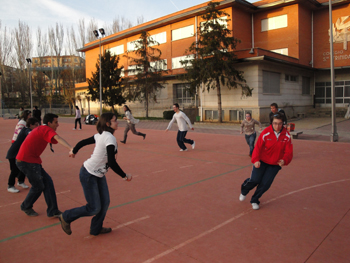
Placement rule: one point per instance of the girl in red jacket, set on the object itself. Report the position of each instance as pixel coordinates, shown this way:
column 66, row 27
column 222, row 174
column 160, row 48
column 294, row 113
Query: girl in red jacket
column 273, row 150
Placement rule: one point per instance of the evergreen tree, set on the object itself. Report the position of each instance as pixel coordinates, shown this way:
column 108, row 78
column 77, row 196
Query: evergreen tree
column 147, row 67
column 112, row 88
column 213, row 61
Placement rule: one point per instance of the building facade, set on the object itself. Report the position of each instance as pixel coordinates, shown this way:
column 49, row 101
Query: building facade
column 284, row 54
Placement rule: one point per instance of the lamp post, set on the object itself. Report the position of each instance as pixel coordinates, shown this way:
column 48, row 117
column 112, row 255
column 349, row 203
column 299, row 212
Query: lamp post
column 30, row 82
column 334, row 135
column 97, row 35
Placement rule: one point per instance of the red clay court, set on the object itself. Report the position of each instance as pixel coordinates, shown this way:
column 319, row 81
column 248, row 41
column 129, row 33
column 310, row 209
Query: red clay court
column 183, row 206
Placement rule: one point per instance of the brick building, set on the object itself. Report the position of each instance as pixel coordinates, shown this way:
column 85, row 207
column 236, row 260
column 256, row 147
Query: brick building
column 284, row 53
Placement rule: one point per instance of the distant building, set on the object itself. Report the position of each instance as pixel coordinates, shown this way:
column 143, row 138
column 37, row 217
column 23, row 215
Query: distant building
column 284, row 53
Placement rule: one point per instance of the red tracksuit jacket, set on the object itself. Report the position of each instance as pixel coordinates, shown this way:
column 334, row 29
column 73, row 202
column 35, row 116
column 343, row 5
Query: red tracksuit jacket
column 270, row 150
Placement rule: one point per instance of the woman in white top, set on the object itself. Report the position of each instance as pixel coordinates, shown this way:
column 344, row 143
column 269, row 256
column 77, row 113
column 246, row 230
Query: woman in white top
column 77, row 118
column 92, row 176
column 21, row 124
column 181, row 120
column 130, row 125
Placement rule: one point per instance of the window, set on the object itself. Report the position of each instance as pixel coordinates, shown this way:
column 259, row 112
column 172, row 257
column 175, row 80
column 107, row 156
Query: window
column 274, row 23
column 222, row 21
column 133, row 70
column 176, row 62
column 234, row 115
column 213, row 115
column 183, row 32
column 282, row 51
column 159, row 65
column 183, row 95
column 131, row 46
column 306, row 86
column 292, row 78
column 271, row 82
column 160, row 38
column 117, row 50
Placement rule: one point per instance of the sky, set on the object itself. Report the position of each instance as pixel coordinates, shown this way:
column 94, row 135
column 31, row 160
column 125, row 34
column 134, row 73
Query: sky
column 45, row 13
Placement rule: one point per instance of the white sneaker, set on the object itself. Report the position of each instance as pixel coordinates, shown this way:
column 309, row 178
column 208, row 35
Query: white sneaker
column 241, row 197
column 255, row 206
column 193, row 145
column 23, row 185
column 12, row 189
column 79, row 129
column 73, row 129
column 183, row 150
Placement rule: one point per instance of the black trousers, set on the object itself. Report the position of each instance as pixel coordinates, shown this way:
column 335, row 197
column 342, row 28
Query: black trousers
column 15, row 172
column 76, row 121
column 181, row 140
column 261, row 177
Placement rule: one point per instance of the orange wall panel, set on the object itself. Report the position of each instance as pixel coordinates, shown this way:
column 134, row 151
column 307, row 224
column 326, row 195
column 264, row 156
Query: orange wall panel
column 305, row 36
column 241, row 24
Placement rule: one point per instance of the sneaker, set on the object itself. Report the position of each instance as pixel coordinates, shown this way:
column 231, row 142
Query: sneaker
column 30, row 212
column 79, row 129
column 73, row 129
column 255, row 206
column 144, row 136
column 56, row 215
column 183, row 150
column 193, row 145
column 65, row 226
column 104, row 230
column 122, row 142
column 241, row 197
column 12, row 189
column 23, row 185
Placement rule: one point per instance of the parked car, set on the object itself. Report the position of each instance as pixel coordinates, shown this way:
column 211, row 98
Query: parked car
column 91, row 119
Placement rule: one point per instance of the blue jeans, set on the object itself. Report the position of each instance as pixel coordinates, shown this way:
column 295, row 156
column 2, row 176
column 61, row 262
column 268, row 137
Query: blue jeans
column 181, row 139
column 251, row 140
column 41, row 183
column 261, row 177
column 97, row 198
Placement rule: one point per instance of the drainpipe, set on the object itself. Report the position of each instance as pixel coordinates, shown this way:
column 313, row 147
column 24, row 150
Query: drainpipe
column 252, row 49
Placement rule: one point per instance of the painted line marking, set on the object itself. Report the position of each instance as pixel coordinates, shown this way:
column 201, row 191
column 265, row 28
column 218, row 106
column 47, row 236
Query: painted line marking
column 64, row 192
column 125, row 224
column 231, row 220
column 158, row 171
column 186, row 166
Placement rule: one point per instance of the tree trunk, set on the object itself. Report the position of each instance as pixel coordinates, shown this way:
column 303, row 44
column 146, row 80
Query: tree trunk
column 218, row 90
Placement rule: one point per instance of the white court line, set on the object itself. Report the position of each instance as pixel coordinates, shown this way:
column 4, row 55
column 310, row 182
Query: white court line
column 231, row 220
column 22, row 201
column 125, row 224
column 186, row 166
column 158, row 171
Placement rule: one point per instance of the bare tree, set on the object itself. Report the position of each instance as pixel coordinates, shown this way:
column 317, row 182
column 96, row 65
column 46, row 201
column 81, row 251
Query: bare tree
column 81, row 40
column 91, row 27
column 140, row 20
column 56, row 40
column 40, row 78
column 6, row 42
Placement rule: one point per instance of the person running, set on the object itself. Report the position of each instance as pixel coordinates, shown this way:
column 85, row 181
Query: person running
column 273, row 150
column 274, row 109
column 21, row 124
column 181, row 120
column 77, row 118
column 29, row 162
column 248, row 125
column 37, row 114
column 130, row 125
column 93, row 176
column 11, row 156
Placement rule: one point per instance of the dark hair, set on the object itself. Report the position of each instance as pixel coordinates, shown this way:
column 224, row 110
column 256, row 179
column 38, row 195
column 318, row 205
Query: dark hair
column 127, row 108
column 49, row 118
column 248, row 113
column 31, row 121
column 274, row 105
column 25, row 114
column 77, row 107
column 176, row 105
column 102, row 122
column 21, row 108
column 277, row 116
column 36, row 107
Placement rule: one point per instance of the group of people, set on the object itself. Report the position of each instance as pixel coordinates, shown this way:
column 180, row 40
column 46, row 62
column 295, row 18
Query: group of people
column 272, row 151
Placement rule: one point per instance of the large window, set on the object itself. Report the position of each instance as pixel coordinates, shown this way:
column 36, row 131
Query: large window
column 160, row 38
column 183, row 95
column 131, row 46
column 176, row 62
column 271, row 82
column 213, row 115
column 306, row 86
column 183, row 32
column 323, row 92
column 117, row 50
column 159, row 65
column 274, row 23
column 221, row 21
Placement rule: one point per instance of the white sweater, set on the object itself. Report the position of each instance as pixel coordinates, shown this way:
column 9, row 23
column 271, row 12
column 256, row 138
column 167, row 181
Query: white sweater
column 181, row 120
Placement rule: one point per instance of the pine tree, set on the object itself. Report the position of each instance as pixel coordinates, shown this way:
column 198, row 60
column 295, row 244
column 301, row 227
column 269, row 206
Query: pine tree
column 148, row 68
column 112, row 87
column 213, row 61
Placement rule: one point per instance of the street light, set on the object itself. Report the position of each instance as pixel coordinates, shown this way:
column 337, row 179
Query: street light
column 97, row 35
column 334, row 135
column 30, row 82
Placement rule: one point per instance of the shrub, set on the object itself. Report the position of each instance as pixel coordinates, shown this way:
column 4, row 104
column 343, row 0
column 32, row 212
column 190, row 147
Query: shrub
column 168, row 114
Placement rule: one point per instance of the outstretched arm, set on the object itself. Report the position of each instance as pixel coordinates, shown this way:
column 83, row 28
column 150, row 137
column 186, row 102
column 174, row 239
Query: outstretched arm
column 61, row 141
column 114, row 165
